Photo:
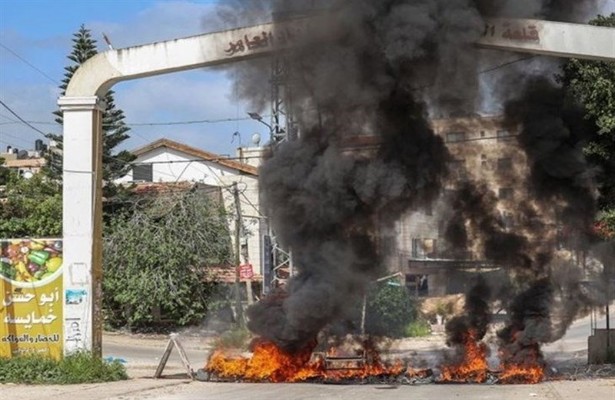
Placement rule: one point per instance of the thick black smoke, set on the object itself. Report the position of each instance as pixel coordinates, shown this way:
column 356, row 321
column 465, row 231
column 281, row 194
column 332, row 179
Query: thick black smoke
column 475, row 318
column 474, row 207
column 529, row 325
column 560, row 186
column 389, row 63
column 552, row 10
column 553, row 134
column 328, row 205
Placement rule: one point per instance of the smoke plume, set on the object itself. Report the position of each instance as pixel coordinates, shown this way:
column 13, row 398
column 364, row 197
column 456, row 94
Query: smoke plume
column 389, row 65
column 327, row 204
column 475, row 317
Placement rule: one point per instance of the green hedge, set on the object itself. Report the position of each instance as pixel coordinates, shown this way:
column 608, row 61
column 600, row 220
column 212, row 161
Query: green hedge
column 75, row 368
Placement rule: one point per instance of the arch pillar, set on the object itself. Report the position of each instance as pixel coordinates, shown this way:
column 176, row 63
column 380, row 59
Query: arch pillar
column 82, row 222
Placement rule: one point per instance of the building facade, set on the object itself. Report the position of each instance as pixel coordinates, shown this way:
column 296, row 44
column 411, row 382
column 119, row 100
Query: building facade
column 484, row 152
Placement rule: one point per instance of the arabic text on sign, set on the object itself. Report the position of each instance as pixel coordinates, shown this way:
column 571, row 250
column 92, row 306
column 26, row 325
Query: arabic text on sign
column 30, row 319
column 246, row 271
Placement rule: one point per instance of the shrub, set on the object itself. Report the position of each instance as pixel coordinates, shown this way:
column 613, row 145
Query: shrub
column 389, row 311
column 418, row 328
column 75, row 368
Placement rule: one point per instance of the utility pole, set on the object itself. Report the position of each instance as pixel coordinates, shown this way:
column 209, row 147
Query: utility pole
column 238, row 228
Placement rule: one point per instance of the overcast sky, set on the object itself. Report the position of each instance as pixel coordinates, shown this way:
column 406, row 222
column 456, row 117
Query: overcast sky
column 35, row 38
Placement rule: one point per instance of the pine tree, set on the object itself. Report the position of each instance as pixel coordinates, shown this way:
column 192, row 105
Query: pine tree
column 114, row 129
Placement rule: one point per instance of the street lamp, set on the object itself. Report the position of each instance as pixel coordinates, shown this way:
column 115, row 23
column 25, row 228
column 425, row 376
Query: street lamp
column 257, row 117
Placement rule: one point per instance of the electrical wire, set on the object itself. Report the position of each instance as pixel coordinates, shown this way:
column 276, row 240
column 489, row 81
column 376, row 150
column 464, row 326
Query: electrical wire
column 4, row 134
column 23, row 120
column 29, row 63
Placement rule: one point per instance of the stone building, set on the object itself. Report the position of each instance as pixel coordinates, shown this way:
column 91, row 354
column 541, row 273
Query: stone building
column 485, row 152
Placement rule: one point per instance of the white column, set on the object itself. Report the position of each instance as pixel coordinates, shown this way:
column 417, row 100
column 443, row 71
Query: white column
column 82, row 221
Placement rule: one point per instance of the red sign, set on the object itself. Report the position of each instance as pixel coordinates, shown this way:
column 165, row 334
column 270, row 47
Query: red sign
column 246, row 271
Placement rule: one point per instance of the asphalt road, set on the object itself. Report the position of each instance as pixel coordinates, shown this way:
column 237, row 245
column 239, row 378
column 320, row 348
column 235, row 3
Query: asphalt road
column 141, row 389
column 142, row 353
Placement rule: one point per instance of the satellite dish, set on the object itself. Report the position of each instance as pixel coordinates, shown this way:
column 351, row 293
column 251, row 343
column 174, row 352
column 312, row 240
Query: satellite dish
column 22, row 154
column 256, row 139
column 28, row 174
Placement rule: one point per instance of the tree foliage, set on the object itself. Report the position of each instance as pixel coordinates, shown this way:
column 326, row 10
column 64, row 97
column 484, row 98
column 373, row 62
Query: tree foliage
column 157, row 256
column 32, row 208
column 115, row 130
column 389, row 311
column 592, row 84
column 4, row 172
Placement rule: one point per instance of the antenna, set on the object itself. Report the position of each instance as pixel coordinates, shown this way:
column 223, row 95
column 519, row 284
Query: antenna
column 107, row 41
column 256, row 139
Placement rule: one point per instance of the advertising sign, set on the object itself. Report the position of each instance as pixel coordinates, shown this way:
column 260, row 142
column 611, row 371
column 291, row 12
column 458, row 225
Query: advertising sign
column 31, row 309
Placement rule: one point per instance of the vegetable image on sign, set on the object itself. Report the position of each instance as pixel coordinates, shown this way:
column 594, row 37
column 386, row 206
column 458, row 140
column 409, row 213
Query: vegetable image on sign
column 29, row 260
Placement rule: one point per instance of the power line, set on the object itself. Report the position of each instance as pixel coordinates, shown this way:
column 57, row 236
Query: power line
column 23, row 120
column 22, row 140
column 189, row 160
column 498, row 138
column 169, row 123
column 12, row 122
column 29, row 64
column 484, row 71
column 201, row 121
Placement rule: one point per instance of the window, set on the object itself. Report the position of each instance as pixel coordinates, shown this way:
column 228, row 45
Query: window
column 482, row 134
column 505, row 164
column 458, row 168
column 503, row 135
column 417, row 285
column 143, row 172
column 505, row 193
column 457, row 164
column 423, row 248
column 508, row 220
column 455, row 137
column 483, row 161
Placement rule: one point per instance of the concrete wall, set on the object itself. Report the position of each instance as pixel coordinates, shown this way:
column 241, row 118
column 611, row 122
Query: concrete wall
column 597, row 346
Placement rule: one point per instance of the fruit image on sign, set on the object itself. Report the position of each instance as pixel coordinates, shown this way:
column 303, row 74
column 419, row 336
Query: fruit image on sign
column 30, row 260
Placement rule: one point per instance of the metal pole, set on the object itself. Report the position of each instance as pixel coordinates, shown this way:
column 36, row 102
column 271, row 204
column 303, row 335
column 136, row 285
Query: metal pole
column 363, row 314
column 238, row 305
column 608, row 317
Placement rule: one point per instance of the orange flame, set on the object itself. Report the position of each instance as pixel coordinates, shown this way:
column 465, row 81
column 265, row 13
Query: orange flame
column 530, row 370
column 474, row 366
column 269, row 363
column 522, row 373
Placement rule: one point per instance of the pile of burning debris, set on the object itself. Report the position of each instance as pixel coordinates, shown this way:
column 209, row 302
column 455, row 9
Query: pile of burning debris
column 359, row 365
